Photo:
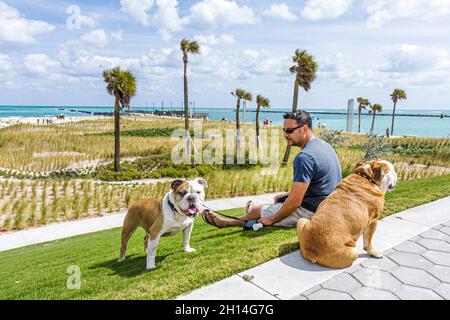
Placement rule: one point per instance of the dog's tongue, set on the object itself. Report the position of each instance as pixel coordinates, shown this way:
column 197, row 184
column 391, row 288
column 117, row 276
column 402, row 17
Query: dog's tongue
column 192, row 210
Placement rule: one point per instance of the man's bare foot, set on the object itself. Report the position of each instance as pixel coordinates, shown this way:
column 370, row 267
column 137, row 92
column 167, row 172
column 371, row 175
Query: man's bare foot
column 215, row 220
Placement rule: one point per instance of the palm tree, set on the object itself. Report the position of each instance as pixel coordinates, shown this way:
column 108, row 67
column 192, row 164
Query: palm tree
column 122, row 85
column 397, row 95
column 363, row 103
column 186, row 47
column 240, row 94
column 305, row 69
column 374, row 109
column 260, row 102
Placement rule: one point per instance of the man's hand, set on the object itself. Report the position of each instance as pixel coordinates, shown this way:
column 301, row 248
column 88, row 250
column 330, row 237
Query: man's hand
column 267, row 221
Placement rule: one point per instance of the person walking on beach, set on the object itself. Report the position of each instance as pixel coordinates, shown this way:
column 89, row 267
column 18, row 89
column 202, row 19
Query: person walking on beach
column 316, row 173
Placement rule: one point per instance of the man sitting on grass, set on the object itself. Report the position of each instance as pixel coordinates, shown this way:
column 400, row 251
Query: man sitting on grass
column 316, row 173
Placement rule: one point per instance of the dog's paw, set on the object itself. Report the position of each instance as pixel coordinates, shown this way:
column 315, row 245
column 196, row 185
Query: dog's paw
column 189, row 250
column 151, row 267
column 120, row 259
column 375, row 253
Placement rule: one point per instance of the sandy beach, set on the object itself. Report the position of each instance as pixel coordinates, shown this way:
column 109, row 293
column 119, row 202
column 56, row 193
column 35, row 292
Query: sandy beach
column 5, row 122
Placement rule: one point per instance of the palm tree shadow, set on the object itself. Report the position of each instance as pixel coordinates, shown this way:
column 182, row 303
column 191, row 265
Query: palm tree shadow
column 133, row 266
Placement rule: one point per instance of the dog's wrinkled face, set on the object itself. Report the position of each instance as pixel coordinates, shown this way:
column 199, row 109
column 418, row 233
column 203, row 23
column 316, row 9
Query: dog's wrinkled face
column 189, row 195
column 381, row 171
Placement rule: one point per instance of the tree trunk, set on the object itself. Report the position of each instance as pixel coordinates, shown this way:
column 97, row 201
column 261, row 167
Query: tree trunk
column 359, row 119
column 257, row 127
column 116, row 135
column 295, row 97
column 393, row 117
column 186, row 110
column 373, row 122
column 238, row 125
column 294, row 109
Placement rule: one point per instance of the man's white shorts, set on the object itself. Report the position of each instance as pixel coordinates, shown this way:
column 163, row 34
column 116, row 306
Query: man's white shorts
column 289, row 221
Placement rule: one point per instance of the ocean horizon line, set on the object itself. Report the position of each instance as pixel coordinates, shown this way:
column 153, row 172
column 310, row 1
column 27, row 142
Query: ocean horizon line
column 233, row 108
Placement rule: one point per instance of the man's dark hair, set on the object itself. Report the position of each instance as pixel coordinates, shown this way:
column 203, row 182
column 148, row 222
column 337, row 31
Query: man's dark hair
column 302, row 117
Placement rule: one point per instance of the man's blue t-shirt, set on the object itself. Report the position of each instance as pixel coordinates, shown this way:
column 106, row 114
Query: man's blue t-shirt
column 317, row 165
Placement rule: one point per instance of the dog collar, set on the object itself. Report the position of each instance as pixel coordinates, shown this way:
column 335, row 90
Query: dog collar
column 366, row 176
column 171, row 205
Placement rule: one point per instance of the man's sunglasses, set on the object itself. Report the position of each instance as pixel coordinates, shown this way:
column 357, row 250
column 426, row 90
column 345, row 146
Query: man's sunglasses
column 290, row 130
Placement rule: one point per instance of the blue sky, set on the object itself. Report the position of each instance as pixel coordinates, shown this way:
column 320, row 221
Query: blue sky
column 53, row 52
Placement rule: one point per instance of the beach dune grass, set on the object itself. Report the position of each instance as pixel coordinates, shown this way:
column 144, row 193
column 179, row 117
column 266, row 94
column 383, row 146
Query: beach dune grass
column 41, row 271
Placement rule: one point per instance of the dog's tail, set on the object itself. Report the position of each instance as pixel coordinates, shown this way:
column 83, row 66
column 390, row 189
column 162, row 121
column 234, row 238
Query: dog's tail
column 301, row 227
column 302, row 222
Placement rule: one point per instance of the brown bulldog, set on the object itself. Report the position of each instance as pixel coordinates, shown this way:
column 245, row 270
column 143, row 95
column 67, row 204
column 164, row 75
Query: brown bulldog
column 165, row 217
column 350, row 211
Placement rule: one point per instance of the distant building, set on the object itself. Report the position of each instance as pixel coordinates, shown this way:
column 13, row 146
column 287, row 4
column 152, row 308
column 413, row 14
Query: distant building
column 350, row 106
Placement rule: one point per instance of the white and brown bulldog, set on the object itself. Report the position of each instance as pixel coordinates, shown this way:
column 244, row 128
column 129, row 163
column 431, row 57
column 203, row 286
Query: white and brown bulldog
column 350, row 211
column 165, row 217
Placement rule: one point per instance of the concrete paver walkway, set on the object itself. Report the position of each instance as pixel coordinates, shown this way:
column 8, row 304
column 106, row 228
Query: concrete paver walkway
column 416, row 265
column 417, row 269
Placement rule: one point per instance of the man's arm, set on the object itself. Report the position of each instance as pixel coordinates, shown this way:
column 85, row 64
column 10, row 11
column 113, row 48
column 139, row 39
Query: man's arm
column 293, row 201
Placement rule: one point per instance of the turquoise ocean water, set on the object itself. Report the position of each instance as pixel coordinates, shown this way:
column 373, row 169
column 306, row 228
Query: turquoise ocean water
column 415, row 126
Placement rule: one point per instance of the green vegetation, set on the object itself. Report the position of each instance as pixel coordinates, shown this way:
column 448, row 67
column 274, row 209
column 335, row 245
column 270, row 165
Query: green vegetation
column 152, row 132
column 40, row 271
column 80, row 153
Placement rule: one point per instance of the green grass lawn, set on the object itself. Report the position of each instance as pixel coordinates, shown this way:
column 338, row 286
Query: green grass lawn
column 40, row 271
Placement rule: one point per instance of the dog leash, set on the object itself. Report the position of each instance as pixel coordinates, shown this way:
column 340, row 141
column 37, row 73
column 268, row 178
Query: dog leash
column 221, row 214
column 250, row 224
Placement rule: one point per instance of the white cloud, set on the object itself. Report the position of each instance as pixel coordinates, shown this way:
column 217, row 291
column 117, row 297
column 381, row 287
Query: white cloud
column 137, row 9
column 244, row 65
column 325, row 9
column 117, row 35
column 5, row 63
column 405, row 65
column 221, row 12
column 90, row 20
column 213, row 40
column 280, row 10
column 40, row 64
column 382, row 11
column 97, row 37
column 166, row 18
column 411, row 58
column 17, row 29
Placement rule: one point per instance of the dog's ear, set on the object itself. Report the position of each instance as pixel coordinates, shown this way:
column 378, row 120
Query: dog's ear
column 360, row 163
column 202, row 182
column 176, row 183
column 377, row 169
